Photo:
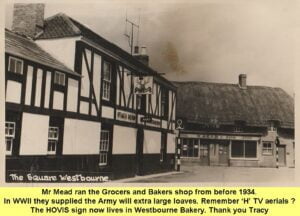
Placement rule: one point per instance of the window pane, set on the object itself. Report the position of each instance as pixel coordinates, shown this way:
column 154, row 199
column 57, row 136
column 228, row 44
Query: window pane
column 250, row 149
column 237, row 148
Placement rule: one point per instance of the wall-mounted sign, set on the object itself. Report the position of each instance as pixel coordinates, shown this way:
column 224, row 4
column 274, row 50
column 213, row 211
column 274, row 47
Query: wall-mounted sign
column 146, row 119
column 219, row 137
column 143, row 85
column 125, row 116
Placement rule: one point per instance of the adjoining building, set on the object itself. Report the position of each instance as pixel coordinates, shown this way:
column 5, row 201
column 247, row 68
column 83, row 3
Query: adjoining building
column 71, row 106
column 236, row 124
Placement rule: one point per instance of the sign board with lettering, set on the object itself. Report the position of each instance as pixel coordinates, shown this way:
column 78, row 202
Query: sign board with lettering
column 143, row 85
column 146, row 119
column 125, row 116
column 219, row 137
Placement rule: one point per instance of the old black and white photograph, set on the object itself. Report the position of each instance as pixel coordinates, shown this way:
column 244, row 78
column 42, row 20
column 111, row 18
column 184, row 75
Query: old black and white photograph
column 150, row 91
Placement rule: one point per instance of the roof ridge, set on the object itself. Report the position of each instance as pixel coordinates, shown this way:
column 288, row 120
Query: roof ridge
column 217, row 83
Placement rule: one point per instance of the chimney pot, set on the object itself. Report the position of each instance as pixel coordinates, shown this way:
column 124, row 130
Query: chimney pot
column 136, row 50
column 243, row 81
column 143, row 50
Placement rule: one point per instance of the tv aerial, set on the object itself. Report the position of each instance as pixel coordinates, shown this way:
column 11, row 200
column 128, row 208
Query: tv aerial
column 130, row 35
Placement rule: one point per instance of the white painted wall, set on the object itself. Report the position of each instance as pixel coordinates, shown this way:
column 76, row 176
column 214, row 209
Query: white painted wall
column 38, row 89
column 127, row 88
column 58, row 100
column 85, row 81
column 13, row 92
column 84, row 107
column 107, row 112
column 62, row 49
column 97, row 77
column 28, row 85
column 72, row 98
column 171, row 143
column 81, row 137
column 47, row 90
column 34, row 134
column 124, row 140
column 94, row 111
column 152, row 142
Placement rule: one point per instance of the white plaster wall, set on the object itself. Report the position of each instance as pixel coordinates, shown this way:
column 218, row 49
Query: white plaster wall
column 84, row 107
column 28, row 85
column 171, row 143
column 124, row 140
column 72, row 98
column 13, row 92
column 47, row 90
column 97, row 77
column 94, row 111
column 62, row 49
column 34, row 134
column 107, row 112
column 38, row 89
column 58, row 100
column 152, row 142
column 127, row 88
column 81, row 137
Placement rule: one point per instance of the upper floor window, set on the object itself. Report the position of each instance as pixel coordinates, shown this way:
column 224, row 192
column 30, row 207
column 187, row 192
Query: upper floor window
column 106, row 81
column 52, row 139
column 10, row 129
column 164, row 102
column 104, row 147
column 59, row 78
column 15, row 65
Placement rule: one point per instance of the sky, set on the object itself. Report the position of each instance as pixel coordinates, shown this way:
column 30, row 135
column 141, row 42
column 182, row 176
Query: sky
column 203, row 40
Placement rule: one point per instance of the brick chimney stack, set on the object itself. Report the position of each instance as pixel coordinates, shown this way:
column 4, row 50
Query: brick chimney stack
column 141, row 56
column 28, row 19
column 243, row 81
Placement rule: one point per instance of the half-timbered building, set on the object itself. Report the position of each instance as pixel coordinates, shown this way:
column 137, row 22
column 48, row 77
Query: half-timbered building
column 71, row 104
column 236, row 124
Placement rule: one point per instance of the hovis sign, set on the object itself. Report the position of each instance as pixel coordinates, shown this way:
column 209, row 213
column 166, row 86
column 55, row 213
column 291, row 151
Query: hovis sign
column 143, row 85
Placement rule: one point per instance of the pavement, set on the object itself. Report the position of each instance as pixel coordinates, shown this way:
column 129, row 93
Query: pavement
column 193, row 173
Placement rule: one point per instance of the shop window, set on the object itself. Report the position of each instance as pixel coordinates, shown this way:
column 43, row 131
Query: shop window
column 243, row 149
column 10, row 129
column 203, row 150
column 190, row 148
column 53, row 134
column 106, row 81
column 15, row 65
column 267, row 148
column 59, row 78
column 104, row 147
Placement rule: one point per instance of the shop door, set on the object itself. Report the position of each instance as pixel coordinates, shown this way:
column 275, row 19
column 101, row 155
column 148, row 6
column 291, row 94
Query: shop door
column 204, row 156
column 281, row 155
column 139, row 151
column 223, row 153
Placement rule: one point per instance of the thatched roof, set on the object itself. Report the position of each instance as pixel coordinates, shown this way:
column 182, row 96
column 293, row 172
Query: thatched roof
column 201, row 102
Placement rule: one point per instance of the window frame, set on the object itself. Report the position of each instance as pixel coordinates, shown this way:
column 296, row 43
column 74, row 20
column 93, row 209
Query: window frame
column 59, row 75
column 244, row 150
column 52, row 140
column 9, row 137
column 17, row 60
column 106, row 83
column 104, row 152
column 267, row 150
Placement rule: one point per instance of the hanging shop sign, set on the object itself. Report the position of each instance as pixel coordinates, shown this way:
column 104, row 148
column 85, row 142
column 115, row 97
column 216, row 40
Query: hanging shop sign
column 143, row 85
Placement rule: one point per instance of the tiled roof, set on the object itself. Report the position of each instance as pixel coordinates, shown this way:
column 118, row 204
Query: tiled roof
column 201, row 102
column 26, row 48
column 61, row 26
